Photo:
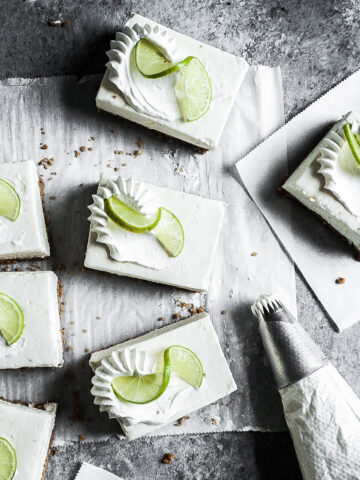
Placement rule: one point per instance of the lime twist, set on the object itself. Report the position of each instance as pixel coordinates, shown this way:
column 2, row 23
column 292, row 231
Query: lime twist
column 193, row 88
column 177, row 360
column 8, row 462
column 9, row 201
column 353, row 140
column 164, row 224
column 11, row 319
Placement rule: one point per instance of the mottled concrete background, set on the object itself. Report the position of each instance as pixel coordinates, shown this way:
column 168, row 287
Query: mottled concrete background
column 317, row 44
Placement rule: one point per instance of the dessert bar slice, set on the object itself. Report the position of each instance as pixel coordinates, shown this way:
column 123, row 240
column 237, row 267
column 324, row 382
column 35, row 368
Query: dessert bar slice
column 153, row 233
column 171, row 83
column 327, row 182
column 30, row 333
column 26, row 436
column 153, row 380
column 22, row 225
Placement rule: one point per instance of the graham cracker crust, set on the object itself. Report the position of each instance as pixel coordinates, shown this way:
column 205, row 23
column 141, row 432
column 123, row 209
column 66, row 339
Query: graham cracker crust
column 284, row 193
column 38, row 406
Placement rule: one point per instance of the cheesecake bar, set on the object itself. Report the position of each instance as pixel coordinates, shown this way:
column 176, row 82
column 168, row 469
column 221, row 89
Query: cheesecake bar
column 179, row 398
column 116, row 250
column 151, row 102
column 35, row 295
column 28, row 431
column 327, row 182
column 24, row 237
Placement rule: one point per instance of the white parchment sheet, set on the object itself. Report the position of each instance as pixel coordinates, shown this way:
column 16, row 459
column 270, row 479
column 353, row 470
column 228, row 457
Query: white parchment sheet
column 100, row 309
column 321, row 255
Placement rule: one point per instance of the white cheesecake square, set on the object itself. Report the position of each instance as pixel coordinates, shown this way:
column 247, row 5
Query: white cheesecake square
column 201, row 219
column 195, row 333
column 25, row 237
column 29, row 431
column 40, row 344
column 327, row 182
column 226, row 73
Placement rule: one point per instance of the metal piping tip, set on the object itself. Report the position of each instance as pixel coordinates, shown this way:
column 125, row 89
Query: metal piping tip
column 291, row 352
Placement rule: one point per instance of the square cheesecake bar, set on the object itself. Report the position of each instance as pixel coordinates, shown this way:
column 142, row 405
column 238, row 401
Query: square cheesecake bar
column 151, row 102
column 116, row 250
column 327, row 182
column 33, row 298
column 196, row 334
column 28, row 432
column 24, row 237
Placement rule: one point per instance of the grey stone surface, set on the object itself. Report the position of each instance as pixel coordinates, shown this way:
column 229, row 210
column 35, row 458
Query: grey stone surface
column 317, row 45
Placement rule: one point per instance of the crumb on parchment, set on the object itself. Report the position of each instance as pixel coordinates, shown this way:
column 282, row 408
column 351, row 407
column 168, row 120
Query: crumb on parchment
column 340, row 280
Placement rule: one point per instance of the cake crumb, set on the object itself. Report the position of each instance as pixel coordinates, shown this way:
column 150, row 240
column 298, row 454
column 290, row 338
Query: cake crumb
column 340, row 280
column 82, row 148
column 77, row 154
column 223, row 312
column 160, row 319
column 137, row 153
column 141, row 143
column 52, row 197
column 201, row 309
column 214, row 421
column 44, row 147
column 54, row 452
column 82, row 437
column 86, row 350
column 182, row 420
column 254, row 254
column 169, row 457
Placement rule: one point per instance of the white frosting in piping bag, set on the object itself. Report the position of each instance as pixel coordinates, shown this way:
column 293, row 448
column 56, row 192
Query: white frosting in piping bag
column 124, row 246
column 152, row 96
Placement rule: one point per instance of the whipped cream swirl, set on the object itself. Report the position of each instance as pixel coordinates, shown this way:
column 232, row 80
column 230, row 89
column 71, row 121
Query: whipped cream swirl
column 124, row 246
column 134, row 362
column 340, row 170
column 152, row 96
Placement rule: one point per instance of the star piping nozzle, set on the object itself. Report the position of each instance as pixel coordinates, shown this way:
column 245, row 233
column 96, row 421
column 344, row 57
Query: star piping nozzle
column 291, row 352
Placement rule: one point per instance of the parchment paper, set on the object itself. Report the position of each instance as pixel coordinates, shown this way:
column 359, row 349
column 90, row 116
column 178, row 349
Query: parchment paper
column 100, row 309
column 321, row 255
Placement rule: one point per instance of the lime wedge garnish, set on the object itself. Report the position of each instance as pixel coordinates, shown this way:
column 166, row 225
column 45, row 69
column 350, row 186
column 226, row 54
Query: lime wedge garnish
column 8, row 462
column 185, row 364
column 193, row 89
column 150, row 61
column 352, row 141
column 170, row 233
column 140, row 389
column 9, row 201
column 143, row 388
column 128, row 218
column 11, row 319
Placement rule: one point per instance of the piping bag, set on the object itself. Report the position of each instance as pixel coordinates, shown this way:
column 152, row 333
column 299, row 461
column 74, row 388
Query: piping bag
column 321, row 410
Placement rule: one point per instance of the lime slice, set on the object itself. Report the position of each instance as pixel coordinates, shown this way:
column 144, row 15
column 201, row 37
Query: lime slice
column 9, row 201
column 143, row 388
column 128, row 218
column 8, row 461
column 170, row 233
column 193, row 89
column 11, row 319
column 150, row 61
column 185, row 364
column 353, row 143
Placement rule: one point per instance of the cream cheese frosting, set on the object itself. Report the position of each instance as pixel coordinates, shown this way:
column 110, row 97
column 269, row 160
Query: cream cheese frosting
column 135, row 362
column 152, row 96
column 339, row 168
column 125, row 246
